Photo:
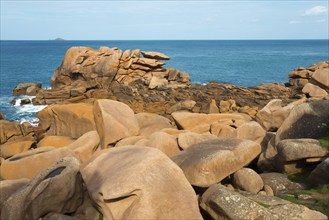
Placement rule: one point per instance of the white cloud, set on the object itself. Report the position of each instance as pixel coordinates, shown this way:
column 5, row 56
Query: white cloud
column 294, row 22
column 316, row 11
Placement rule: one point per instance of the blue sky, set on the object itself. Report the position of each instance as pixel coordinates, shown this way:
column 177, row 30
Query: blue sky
column 147, row 20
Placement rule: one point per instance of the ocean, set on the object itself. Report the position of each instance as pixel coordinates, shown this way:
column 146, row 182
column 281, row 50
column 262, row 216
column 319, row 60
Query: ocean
column 239, row 62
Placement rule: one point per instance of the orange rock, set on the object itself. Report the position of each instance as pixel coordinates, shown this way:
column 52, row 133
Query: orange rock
column 29, row 164
column 72, row 120
column 55, row 141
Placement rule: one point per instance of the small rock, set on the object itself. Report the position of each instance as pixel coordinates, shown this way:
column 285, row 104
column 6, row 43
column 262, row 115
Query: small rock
column 248, row 180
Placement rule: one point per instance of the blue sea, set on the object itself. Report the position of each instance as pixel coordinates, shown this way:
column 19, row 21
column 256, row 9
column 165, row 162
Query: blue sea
column 240, row 62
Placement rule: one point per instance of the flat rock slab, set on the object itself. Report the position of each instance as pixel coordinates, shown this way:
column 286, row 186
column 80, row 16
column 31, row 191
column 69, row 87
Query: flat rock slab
column 280, row 183
column 209, row 162
column 155, row 55
column 200, row 123
column 296, row 149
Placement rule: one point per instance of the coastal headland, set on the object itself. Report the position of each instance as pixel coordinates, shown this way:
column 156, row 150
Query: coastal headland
column 124, row 137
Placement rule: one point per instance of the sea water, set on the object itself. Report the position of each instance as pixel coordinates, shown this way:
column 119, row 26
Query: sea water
column 240, row 62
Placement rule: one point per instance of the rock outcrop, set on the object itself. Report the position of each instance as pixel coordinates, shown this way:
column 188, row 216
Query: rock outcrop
column 313, row 81
column 85, row 72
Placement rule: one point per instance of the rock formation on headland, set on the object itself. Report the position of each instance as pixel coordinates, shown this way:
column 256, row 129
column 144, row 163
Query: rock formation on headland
column 220, row 152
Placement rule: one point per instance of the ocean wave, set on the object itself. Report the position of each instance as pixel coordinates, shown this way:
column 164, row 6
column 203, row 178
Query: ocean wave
column 18, row 112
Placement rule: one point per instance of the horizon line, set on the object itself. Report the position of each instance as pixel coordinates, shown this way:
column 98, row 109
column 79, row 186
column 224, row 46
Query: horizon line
column 162, row 39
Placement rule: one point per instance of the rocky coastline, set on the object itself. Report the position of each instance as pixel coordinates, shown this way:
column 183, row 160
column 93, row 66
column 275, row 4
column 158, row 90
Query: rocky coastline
column 124, row 137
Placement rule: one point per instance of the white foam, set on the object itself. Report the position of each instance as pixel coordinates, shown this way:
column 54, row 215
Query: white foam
column 30, row 108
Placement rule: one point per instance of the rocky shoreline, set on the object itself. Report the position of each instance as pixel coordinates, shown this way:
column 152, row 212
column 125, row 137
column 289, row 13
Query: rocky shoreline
column 125, row 138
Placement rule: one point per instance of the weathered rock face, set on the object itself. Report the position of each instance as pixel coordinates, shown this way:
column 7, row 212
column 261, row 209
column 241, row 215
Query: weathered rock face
column 61, row 182
column 114, row 121
column 308, row 120
column 139, row 183
column 209, row 162
column 26, row 89
column 72, row 120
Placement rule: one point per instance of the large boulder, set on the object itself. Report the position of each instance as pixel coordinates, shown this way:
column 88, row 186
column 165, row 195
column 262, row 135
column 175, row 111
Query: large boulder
column 165, row 142
column 85, row 146
column 251, row 131
column 280, row 183
column 114, row 121
column 9, row 187
column 187, row 139
column 209, row 162
column 72, row 120
column 150, row 123
column 320, row 175
column 61, row 182
column 221, row 203
column 55, row 141
column 322, row 76
column 139, row 183
column 10, row 149
column 314, row 91
column 13, row 131
column 272, row 115
column 26, row 89
column 307, row 120
column 296, row 149
column 28, row 164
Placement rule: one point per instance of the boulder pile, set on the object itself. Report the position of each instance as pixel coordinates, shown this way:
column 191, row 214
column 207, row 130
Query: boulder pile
column 129, row 139
column 109, row 162
column 313, row 81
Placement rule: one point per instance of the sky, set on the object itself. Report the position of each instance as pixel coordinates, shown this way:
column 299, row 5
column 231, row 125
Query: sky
column 163, row 20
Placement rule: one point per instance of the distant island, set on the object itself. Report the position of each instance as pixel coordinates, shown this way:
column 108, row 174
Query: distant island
column 59, row 38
